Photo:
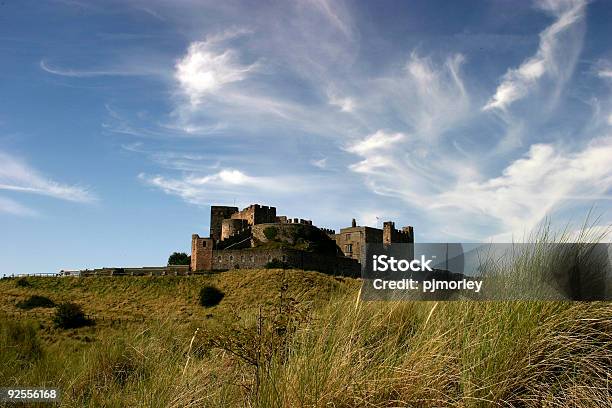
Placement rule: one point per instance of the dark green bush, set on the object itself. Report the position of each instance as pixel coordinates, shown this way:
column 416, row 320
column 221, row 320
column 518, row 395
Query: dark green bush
column 276, row 264
column 70, row 316
column 35, row 301
column 270, row 233
column 210, row 296
column 22, row 283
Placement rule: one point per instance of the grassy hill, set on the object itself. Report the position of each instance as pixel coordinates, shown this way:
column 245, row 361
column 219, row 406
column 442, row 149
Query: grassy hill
column 301, row 339
column 174, row 296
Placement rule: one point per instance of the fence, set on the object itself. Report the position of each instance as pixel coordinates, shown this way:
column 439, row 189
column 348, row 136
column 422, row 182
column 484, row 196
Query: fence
column 93, row 273
column 42, row 274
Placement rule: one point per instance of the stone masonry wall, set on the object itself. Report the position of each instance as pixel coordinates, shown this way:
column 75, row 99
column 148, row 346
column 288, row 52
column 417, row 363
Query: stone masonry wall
column 201, row 253
column 256, row 214
column 258, row 258
column 217, row 214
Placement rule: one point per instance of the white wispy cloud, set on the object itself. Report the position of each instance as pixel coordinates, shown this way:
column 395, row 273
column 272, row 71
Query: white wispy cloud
column 530, row 187
column 12, row 207
column 196, row 188
column 428, row 97
column 560, row 44
column 16, row 175
column 345, row 104
column 335, row 14
column 206, row 67
column 376, row 142
column 75, row 73
column 320, row 163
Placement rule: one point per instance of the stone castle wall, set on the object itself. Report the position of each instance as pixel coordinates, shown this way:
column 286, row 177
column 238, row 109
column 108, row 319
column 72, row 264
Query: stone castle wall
column 217, row 214
column 232, row 226
column 258, row 258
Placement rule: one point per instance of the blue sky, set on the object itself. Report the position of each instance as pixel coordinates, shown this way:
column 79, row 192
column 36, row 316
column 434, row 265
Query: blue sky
column 122, row 122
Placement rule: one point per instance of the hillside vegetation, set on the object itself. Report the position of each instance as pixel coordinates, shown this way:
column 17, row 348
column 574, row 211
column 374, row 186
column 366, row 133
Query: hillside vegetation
column 302, row 339
column 174, row 297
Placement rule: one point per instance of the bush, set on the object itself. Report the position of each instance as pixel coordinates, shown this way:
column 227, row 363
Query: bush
column 70, row 316
column 35, row 301
column 276, row 264
column 210, row 296
column 22, row 283
column 270, row 233
column 19, row 342
column 179, row 258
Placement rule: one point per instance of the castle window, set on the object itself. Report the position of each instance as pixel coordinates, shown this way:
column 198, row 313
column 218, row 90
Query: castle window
column 348, row 236
column 348, row 248
column 219, row 258
column 252, row 258
column 231, row 258
column 204, row 243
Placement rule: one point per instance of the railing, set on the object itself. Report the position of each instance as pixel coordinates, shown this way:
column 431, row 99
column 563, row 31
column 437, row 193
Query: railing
column 92, row 273
column 25, row 275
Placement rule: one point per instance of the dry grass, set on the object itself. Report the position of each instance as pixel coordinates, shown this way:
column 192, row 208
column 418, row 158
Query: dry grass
column 345, row 354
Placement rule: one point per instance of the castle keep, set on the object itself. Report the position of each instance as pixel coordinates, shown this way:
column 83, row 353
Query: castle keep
column 256, row 236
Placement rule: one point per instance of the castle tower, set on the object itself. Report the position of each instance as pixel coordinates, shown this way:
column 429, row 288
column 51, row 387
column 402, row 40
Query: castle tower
column 201, row 253
column 393, row 236
column 388, row 229
column 408, row 232
column 217, row 214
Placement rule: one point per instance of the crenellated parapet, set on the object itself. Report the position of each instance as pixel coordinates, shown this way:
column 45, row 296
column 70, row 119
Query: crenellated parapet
column 328, row 231
column 256, row 214
column 297, row 221
column 392, row 235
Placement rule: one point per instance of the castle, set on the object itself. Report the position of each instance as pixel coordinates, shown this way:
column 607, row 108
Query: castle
column 256, row 236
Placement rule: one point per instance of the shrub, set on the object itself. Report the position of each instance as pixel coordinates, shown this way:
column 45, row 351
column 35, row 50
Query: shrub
column 210, row 296
column 276, row 264
column 19, row 342
column 22, row 283
column 35, row 301
column 70, row 316
column 270, row 233
column 179, row 258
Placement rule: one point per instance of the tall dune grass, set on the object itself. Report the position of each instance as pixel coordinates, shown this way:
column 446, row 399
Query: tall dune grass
column 418, row 354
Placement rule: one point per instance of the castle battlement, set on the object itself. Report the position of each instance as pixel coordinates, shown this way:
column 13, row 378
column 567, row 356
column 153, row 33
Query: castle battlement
column 392, row 235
